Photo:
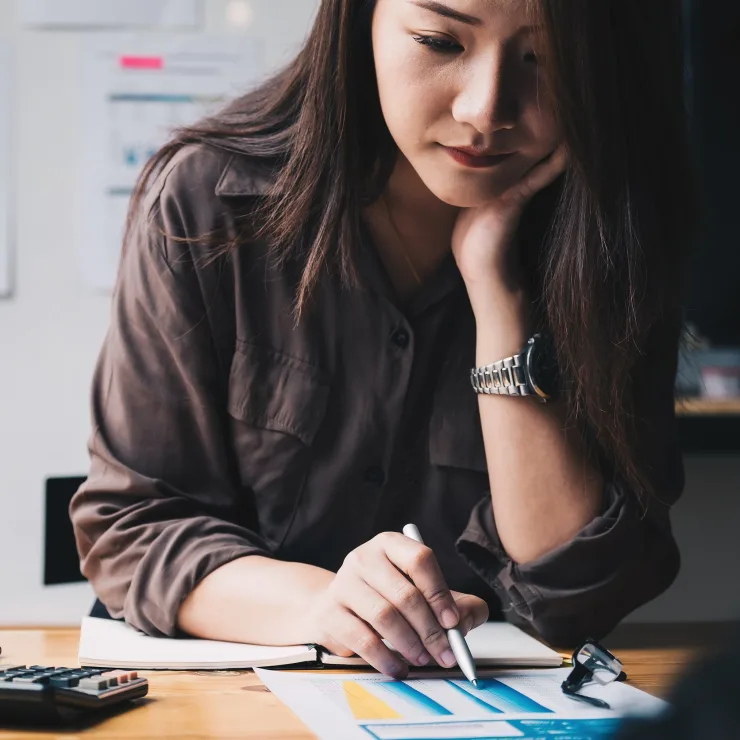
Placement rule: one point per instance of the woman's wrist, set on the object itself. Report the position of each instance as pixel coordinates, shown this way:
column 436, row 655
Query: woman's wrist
column 502, row 321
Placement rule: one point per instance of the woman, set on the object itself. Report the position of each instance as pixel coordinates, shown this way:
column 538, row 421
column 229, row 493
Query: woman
column 307, row 281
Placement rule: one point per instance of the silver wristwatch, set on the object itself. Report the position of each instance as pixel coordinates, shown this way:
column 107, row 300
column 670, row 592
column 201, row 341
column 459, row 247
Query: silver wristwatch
column 531, row 372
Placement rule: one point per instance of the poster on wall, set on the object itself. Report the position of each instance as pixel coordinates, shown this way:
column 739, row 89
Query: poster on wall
column 137, row 90
column 111, row 13
column 6, row 170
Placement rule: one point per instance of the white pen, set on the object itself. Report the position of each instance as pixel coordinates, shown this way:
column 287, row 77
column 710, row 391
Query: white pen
column 457, row 641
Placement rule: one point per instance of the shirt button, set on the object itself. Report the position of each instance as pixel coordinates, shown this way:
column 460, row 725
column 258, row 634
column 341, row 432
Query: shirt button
column 400, row 338
column 375, row 475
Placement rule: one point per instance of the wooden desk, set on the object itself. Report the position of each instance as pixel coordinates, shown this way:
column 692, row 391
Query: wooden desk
column 234, row 704
column 708, row 407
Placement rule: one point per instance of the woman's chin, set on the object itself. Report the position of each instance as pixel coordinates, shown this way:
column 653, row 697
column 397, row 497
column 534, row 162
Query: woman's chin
column 465, row 197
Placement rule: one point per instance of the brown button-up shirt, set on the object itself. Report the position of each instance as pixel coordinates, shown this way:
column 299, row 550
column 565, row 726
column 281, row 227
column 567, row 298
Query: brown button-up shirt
column 221, row 430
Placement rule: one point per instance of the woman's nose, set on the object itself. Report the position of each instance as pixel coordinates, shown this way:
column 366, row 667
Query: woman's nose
column 486, row 99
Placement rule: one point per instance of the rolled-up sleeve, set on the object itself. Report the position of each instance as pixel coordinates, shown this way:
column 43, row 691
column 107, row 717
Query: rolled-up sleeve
column 162, row 506
column 624, row 557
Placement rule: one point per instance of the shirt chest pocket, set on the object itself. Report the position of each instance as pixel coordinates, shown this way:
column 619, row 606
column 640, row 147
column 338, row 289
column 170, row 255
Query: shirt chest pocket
column 459, row 472
column 455, row 434
column 276, row 405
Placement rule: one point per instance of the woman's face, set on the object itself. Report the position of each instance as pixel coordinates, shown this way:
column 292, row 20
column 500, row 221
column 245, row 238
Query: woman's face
column 462, row 73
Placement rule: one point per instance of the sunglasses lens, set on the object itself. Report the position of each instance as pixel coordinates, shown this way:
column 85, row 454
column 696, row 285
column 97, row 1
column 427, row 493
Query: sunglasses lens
column 599, row 662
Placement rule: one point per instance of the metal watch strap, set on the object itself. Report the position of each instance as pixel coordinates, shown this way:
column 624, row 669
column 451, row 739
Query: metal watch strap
column 503, row 378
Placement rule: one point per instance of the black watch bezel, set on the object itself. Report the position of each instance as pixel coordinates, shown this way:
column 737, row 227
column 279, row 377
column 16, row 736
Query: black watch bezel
column 541, row 369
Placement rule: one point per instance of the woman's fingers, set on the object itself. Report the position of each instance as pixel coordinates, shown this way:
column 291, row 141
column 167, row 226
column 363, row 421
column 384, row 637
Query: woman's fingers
column 544, row 173
column 370, row 602
column 352, row 632
column 410, row 604
column 549, row 169
column 419, row 564
column 473, row 611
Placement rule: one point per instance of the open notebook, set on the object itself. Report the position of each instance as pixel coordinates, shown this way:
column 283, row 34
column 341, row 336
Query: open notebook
column 105, row 643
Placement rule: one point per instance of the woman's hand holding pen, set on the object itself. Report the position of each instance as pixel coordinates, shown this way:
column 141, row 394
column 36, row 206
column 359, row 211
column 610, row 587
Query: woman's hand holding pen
column 392, row 588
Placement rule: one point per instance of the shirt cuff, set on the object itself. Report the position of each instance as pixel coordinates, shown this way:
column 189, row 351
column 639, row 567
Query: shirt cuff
column 582, row 588
column 175, row 563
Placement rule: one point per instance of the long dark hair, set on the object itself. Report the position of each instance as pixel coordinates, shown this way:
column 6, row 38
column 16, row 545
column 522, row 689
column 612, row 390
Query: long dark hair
column 612, row 242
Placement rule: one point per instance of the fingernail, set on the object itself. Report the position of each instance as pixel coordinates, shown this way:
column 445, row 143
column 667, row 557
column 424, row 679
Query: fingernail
column 398, row 671
column 449, row 619
column 448, row 658
column 424, row 658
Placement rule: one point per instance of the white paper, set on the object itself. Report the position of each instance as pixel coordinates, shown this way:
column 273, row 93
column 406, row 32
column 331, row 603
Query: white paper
column 6, row 170
column 104, row 642
column 137, row 89
column 112, row 13
column 523, row 704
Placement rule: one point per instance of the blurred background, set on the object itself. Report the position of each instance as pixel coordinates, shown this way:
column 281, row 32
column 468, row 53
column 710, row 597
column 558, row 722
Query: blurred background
column 88, row 89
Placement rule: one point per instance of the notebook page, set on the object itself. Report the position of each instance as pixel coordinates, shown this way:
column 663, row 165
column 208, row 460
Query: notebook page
column 107, row 643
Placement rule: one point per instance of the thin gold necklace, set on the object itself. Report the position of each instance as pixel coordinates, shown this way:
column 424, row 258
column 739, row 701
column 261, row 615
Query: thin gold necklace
column 401, row 241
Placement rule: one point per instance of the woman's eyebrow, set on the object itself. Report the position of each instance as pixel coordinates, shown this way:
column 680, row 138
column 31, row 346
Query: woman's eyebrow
column 447, row 12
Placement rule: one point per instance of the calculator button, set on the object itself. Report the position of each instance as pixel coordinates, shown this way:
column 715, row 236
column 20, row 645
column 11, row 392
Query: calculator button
column 23, row 687
column 32, row 679
column 111, row 678
column 64, row 682
column 94, row 684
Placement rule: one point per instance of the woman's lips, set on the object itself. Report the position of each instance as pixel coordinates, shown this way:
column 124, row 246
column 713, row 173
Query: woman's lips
column 472, row 160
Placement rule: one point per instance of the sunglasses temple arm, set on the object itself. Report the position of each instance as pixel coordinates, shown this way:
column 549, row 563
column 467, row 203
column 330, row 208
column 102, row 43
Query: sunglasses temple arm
column 593, row 701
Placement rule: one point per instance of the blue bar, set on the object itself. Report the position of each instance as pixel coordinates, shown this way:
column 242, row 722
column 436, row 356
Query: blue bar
column 472, row 695
column 506, row 698
column 407, row 692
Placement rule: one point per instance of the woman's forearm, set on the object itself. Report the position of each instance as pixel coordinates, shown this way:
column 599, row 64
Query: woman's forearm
column 256, row 600
column 544, row 487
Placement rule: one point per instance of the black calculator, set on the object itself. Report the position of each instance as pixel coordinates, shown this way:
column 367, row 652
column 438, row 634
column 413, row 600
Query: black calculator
column 45, row 695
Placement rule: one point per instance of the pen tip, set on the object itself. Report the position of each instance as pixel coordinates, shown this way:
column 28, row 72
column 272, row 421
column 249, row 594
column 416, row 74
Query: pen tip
column 475, row 682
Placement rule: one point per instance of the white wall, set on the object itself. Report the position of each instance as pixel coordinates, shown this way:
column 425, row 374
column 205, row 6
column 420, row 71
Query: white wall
column 51, row 330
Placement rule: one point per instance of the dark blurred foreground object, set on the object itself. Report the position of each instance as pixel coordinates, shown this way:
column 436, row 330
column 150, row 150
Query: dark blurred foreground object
column 705, row 705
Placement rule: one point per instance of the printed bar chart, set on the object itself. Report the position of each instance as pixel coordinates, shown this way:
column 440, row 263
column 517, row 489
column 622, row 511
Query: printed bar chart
column 373, row 700
column 528, row 705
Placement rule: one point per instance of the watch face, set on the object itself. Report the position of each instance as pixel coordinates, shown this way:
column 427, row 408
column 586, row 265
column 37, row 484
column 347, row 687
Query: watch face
column 542, row 367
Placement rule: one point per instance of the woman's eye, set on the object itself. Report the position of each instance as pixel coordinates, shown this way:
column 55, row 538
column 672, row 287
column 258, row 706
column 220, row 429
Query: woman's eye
column 444, row 46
